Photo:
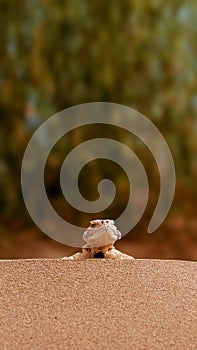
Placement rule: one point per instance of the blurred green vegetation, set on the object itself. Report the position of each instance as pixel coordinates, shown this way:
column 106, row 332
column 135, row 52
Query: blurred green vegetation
column 56, row 54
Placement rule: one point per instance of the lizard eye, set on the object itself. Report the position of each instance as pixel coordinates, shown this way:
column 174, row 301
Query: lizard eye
column 93, row 225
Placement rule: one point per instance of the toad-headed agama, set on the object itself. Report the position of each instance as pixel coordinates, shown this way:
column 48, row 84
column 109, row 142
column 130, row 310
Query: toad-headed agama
column 100, row 237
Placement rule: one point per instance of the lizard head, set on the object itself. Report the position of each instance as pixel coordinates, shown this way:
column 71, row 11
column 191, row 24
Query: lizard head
column 101, row 233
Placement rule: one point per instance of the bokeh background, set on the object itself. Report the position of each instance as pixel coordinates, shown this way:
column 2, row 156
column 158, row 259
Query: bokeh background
column 56, row 54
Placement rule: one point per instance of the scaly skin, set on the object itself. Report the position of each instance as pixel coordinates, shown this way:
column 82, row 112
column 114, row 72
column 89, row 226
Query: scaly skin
column 100, row 237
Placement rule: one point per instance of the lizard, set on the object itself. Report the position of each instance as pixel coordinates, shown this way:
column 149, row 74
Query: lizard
column 100, row 237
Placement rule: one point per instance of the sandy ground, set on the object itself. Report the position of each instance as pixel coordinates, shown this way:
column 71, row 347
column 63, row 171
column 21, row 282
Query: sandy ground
column 98, row 304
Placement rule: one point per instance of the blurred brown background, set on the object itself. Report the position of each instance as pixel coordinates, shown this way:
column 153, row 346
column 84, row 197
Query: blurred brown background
column 56, row 54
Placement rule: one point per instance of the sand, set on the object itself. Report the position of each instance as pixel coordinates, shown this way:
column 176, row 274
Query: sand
column 98, row 304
